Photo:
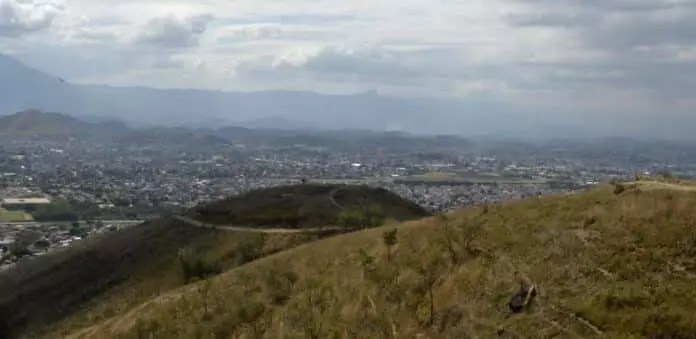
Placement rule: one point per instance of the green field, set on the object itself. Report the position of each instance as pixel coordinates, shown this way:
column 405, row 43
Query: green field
column 11, row 216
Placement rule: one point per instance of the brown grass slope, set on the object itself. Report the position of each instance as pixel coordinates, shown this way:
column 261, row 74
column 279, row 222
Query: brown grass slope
column 101, row 277
column 112, row 273
column 606, row 265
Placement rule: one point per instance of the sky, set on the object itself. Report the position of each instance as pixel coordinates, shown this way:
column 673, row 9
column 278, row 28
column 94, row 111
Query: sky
column 622, row 58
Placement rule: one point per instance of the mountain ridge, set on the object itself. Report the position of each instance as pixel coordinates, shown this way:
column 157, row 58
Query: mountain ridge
column 22, row 88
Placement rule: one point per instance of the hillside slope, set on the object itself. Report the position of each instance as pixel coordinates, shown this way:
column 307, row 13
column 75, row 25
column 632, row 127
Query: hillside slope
column 606, row 263
column 303, row 206
column 107, row 275
column 101, row 277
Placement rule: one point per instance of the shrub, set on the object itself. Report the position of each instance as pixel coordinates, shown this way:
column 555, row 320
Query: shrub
column 249, row 249
column 362, row 217
column 280, row 284
column 194, row 267
column 389, row 238
column 19, row 249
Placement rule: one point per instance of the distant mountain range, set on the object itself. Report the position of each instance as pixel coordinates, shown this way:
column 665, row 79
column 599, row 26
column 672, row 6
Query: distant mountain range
column 22, row 88
column 40, row 124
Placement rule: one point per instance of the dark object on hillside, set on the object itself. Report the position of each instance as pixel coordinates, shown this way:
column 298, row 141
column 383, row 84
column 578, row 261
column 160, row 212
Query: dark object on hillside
column 619, row 188
column 522, row 299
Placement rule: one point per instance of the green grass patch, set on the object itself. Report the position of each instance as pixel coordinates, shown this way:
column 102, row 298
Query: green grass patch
column 14, row 216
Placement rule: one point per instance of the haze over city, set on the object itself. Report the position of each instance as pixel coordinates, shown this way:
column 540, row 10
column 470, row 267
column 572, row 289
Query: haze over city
column 506, row 68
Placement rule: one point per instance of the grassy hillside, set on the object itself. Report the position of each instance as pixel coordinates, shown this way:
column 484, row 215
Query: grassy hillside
column 301, row 206
column 101, row 277
column 108, row 275
column 614, row 263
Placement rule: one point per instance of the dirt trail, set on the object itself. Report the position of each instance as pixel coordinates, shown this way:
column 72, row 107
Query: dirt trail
column 332, row 198
column 656, row 185
column 197, row 223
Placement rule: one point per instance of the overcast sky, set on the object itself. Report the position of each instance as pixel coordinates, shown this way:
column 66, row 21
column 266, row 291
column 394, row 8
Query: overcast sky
column 615, row 56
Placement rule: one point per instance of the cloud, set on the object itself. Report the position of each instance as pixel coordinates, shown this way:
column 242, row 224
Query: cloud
column 524, row 51
column 18, row 17
column 258, row 32
column 336, row 63
column 174, row 32
column 645, row 46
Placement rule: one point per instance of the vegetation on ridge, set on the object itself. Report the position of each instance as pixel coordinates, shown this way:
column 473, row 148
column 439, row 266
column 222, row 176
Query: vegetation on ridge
column 310, row 205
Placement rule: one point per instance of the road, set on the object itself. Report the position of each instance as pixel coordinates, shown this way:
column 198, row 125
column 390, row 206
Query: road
column 69, row 223
column 197, row 223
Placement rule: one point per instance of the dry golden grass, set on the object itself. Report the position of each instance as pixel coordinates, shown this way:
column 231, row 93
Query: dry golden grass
column 614, row 265
column 152, row 281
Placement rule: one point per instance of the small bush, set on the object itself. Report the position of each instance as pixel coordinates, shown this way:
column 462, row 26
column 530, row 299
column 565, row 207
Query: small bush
column 249, row 250
column 195, row 267
column 280, row 284
column 626, row 297
column 389, row 238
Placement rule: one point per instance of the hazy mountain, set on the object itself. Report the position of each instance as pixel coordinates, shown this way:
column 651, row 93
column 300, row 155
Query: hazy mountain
column 22, row 88
column 37, row 123
column 46, row 124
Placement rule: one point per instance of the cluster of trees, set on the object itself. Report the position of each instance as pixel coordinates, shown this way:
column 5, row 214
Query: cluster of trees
column 56, row 211
column 196, row 267
column 366, row 216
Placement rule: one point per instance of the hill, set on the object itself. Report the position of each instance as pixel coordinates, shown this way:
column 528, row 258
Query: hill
column 33, row 122
column 101, row 277
column 116, row 271
column 617, row 263
column 310, row 205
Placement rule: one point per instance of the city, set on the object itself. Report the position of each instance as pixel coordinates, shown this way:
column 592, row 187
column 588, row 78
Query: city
column 57, row 189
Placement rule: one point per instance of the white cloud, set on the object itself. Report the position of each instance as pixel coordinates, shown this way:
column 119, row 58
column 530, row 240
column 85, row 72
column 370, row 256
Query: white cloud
column 174, row 32
column 524, row 51
column 18, row 17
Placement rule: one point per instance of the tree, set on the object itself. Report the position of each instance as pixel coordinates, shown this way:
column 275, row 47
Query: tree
column 350, row 219
column 390, row 240
column 249, row 249
column 429, row 271
column 449, row 239
column 56, row 211
column 374, row 216
column 195, row 267
column 364, row 216
column 19, row 249
column 204, row 291
column 42, row 244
